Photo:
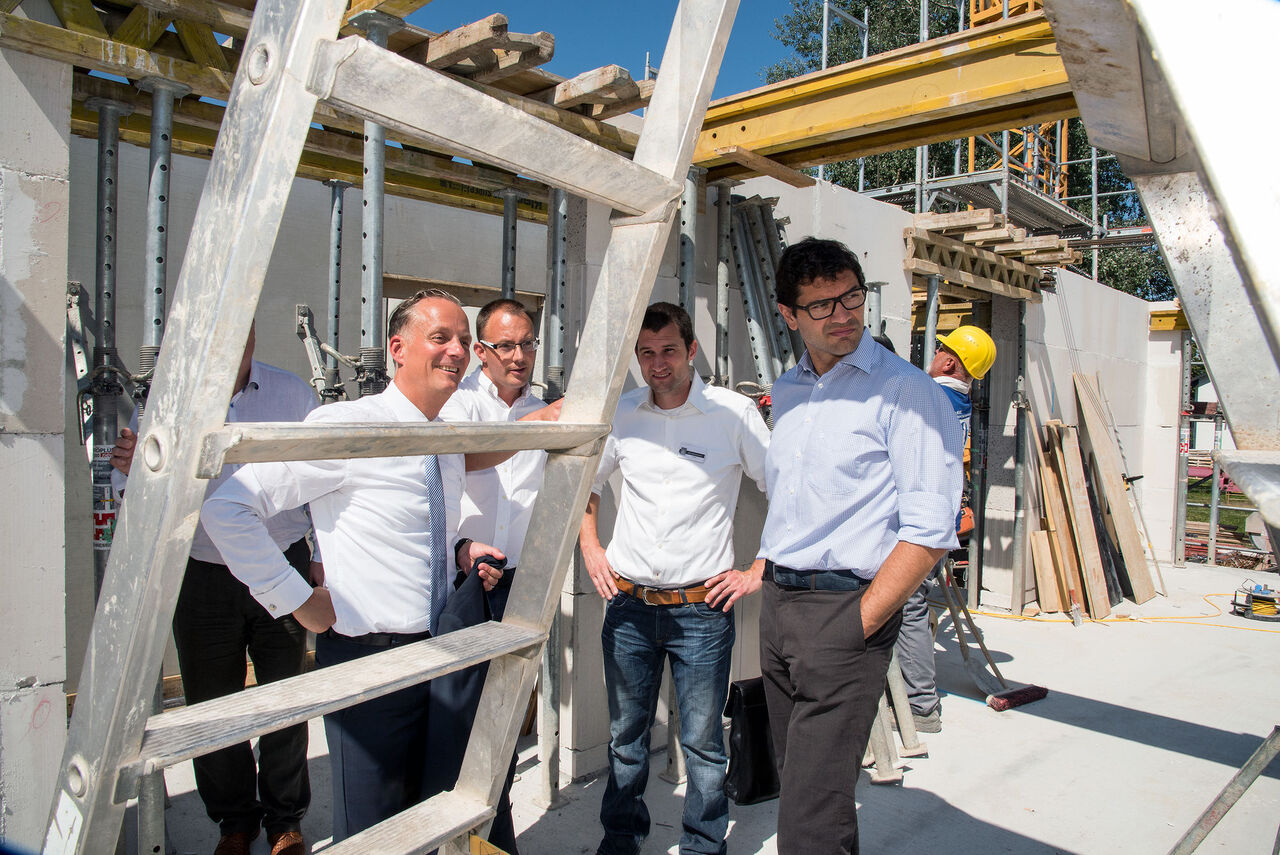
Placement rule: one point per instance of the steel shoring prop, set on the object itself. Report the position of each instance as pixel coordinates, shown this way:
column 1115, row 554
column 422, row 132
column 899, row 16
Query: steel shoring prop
column 689, row 238
column 549, row 698
column 756, row 334
column 373, row 320
column 930, row 323
column 510, row 198
column 755, row 282
column 625, row 284
column 152, row 835
column 156, row 269
column 723, row 259
column 764, row 236
column 337, row 203
column 103, row 382
column 268, row 115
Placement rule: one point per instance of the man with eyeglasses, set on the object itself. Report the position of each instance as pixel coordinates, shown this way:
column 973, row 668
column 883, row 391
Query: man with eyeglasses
column 497, row 501
column 864, row 483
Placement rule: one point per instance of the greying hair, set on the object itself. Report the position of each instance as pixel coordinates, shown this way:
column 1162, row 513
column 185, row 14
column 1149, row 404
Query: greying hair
column 403, row 314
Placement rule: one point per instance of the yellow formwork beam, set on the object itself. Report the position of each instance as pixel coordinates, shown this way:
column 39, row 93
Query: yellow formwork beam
column 998, row 76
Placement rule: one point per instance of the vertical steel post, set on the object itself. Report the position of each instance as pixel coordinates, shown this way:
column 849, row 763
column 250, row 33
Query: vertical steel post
column 1184, row 448
column 510, row 224
column 155, row 271
column 874, row 310
column 723, row 259
column 1215, row 491
column 151, row 794
column 337, row 191
column 922, row 152
column 826, row 28
column 689, row 238
column 1017, row 598
column 764, row 239
column 756, row 330
column 978, row 434
column 373, row 321
column 105, row 385
column 557, row 223
column 1004, row 175
column 549, row 697
column 930, row 323
column 1093, row 200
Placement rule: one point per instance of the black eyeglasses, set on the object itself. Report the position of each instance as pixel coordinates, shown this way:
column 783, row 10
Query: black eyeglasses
column 506, row 348
column 851, row 299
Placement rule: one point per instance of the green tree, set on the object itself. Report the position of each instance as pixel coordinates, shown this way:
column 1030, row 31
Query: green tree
column 896, row 23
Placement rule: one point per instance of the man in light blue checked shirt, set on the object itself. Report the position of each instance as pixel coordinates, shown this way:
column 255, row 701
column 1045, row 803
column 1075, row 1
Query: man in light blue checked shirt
column 864, row 477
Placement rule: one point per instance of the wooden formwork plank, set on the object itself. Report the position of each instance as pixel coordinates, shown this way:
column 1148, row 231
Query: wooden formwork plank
column 1049, row 597
column 201, row 44
column 765, row 166
column 460, row 44
column 1097, row 443
column 983, row 218
column 1062, row 545
column 142, row 27
column 79, row 16
column 225, row 18
column 1080, row 512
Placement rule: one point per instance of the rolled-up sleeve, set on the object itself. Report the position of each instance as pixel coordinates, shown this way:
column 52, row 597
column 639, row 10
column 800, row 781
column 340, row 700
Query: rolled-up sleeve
column 233, row 516
column 926, row 444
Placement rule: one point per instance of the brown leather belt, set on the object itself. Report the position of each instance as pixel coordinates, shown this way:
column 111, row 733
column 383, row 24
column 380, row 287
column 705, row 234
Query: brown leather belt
column 662, row 596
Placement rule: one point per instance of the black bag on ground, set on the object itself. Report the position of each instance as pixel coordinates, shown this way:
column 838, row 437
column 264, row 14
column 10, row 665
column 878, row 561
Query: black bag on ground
column 753, row 771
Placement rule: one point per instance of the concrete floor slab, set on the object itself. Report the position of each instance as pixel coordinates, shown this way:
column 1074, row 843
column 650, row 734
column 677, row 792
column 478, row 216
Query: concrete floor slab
column 1148, row 717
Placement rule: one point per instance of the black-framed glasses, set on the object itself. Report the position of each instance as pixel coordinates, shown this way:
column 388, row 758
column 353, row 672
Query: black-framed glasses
column 851, row 299
column 506, row 348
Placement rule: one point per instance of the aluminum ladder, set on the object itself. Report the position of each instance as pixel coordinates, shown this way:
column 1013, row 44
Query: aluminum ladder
column 1158, row 83
column 292, row 59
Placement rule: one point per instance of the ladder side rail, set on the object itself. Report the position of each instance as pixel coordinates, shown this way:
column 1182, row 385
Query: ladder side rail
column 691, row 61
column 264, row 128
column 256, row 442
column 362, row 79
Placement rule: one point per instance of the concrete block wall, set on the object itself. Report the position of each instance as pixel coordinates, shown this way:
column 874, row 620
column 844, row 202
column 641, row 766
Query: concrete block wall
column 35, row 97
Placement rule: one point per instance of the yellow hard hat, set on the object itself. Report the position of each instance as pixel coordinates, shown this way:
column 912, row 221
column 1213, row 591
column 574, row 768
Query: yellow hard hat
column 975, row 348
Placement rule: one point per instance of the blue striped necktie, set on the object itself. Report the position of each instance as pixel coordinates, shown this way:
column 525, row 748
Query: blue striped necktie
column 435, row 539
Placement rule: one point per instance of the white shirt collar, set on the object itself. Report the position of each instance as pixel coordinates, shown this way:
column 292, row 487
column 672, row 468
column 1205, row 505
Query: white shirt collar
column 486, row 383
column 953, row 383
column 697, row 398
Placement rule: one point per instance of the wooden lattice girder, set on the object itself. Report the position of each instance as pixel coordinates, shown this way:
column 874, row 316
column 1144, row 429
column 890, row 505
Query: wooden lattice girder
column 931, row 254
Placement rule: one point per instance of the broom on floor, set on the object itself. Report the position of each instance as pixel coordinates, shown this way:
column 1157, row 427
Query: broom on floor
column 999, row 698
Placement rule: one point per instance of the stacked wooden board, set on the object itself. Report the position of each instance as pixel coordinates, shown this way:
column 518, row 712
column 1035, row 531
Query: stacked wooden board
column 985, row 229
column 1087, row 549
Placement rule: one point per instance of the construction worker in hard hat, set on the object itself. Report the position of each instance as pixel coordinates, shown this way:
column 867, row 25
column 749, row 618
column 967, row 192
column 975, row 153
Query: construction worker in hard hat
column 963, row 356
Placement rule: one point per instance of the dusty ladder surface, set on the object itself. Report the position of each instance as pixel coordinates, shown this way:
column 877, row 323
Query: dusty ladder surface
column 292, row 60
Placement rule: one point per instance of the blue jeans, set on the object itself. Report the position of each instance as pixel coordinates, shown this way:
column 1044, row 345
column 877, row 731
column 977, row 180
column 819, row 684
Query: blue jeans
column 637, row 639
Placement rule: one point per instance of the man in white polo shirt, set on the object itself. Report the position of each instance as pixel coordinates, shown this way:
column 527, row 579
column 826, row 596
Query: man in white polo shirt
column 668, row 576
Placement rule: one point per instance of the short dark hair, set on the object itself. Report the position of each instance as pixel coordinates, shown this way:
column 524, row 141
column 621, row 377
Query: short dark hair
column 502, row 306
column 661, row 315
column 403, row 314
column 810, row 259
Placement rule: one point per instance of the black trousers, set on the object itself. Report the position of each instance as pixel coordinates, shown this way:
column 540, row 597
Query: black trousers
column 216, row 622
column 822, row 682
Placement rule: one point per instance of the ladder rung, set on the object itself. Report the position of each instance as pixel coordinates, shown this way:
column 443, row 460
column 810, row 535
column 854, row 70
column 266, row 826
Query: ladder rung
column 361, row 78
column 254, row 442
column 195, row 730
column 420, row 829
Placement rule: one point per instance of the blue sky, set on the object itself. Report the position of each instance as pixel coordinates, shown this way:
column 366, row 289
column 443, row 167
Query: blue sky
column 592, row 34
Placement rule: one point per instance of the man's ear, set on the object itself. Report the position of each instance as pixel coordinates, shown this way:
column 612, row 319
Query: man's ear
column 788, row 316
column 693, row 349
column 395, row 347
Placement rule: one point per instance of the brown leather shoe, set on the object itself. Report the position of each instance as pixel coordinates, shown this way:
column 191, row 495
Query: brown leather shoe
column 287, row 843
column 236, row 843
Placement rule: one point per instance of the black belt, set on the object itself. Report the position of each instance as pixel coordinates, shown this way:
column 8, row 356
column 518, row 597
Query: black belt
column 791, row 579
column 379, row 639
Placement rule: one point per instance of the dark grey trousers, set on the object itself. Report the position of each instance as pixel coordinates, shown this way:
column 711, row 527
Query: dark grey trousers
column 915, row 649
column 822, row 681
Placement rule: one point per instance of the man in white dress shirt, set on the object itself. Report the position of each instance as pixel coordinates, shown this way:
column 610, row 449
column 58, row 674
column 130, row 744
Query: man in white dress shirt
column 387, row 528
column 682, row 448
column 217, row 622
column 498, row 500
